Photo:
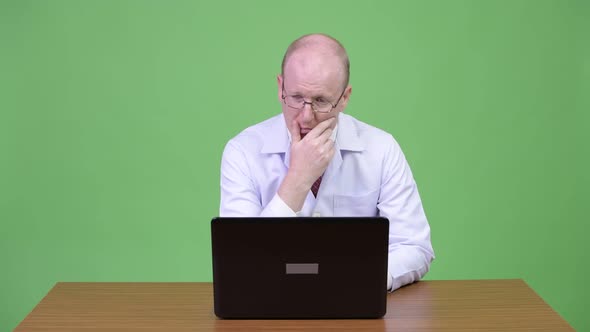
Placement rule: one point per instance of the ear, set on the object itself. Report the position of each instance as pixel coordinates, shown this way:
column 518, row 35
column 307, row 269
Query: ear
column 345, row 98
column 280, row 87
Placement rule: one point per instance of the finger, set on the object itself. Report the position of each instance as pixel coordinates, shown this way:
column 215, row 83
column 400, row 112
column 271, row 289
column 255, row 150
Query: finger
column 331, row 153
column 325, row 136
column 321, row 127
column 328, row 148
column 328, row 154
column 295, row 131
column 328, row 144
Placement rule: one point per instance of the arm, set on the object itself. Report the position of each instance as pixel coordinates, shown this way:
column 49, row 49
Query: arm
column 240, row 195
column 240, row 190
column 410, row 249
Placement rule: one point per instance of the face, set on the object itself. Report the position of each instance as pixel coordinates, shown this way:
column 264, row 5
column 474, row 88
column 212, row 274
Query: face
column 312, row 76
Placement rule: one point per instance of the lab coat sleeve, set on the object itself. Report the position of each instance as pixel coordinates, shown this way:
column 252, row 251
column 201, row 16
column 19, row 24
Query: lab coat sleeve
column 410, row 248
column 240, row 196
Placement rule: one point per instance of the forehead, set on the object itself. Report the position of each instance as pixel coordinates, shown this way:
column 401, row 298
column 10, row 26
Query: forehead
column 315, row 71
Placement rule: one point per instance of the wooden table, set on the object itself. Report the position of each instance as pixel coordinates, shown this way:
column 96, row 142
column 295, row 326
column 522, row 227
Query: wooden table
column 490, row 305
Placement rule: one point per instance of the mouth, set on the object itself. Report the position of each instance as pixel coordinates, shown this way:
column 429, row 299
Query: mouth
column 304, row 131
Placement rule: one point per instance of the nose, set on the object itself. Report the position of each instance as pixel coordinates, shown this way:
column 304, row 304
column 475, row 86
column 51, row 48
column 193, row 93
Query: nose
column 306, row 115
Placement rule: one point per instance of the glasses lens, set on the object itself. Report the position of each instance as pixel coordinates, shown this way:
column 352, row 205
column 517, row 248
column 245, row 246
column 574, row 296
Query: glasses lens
column 322, row 106
column 294, row 101
column 297, row 102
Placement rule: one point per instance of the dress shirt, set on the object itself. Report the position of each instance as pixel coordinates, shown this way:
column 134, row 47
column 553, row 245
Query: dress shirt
column 368, row 176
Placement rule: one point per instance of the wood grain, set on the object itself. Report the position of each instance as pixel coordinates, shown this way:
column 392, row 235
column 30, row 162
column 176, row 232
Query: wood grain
column 467, row 305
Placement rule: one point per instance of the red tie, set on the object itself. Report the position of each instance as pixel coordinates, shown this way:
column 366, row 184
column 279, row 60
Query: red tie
column 316, row 186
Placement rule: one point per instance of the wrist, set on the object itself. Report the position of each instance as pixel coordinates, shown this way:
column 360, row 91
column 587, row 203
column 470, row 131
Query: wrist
column 296, row 183
column 293, row 192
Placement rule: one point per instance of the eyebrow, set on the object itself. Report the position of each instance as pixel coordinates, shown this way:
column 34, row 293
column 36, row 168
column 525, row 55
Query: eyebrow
column 315, row 96
column 297, row 92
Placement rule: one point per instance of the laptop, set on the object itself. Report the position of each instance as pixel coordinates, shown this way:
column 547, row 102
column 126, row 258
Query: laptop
column 283, row 268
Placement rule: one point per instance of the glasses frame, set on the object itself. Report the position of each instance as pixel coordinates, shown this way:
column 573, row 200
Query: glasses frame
column 284, row 95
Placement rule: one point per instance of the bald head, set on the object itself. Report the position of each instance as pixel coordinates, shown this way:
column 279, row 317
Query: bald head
column 319, row 45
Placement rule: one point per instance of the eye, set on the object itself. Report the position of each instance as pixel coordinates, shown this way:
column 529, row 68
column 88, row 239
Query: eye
column 321, row 100
column 297, row 97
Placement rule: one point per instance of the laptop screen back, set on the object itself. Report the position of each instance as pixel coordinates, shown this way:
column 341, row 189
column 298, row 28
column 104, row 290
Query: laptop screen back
column 300, row 267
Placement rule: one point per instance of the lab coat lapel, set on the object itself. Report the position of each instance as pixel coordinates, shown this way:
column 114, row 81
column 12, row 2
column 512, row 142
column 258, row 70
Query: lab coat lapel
column 347, row 140
column 277, row 139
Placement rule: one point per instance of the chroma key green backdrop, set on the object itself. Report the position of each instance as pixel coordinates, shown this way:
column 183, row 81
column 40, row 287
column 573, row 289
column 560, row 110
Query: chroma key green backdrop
column 114, row 114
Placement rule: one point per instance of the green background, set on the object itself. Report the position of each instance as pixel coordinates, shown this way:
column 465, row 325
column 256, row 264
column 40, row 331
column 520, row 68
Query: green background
column 114, row 115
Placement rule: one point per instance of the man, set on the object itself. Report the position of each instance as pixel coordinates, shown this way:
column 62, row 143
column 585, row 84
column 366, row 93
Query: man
column 313, row 160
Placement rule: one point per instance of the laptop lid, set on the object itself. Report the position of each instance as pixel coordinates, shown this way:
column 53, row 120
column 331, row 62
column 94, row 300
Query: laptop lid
column 300, row 267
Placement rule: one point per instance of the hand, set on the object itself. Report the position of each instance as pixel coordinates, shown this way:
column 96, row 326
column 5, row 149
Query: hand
column 311, row 155
column 309, row 159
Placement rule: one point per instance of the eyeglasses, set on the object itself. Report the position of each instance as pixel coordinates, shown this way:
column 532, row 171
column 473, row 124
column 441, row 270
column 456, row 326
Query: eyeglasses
column 319, row 105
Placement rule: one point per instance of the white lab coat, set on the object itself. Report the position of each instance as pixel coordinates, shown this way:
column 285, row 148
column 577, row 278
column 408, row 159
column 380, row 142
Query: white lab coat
column 368, row 176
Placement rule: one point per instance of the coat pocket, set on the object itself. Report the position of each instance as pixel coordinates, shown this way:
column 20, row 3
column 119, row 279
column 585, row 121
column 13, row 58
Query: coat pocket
column 356, row 206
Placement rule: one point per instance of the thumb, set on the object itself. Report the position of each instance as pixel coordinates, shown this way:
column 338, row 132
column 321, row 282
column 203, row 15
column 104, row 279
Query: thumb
column 295, row 131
